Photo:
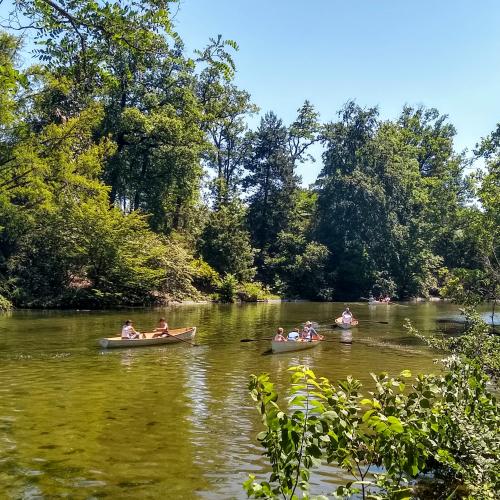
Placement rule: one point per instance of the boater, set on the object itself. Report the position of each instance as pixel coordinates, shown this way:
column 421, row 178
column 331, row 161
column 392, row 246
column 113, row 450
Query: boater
column 347, row 316
column 279, row 336
column 129, row 332
column 294, row 335
column 161, row 330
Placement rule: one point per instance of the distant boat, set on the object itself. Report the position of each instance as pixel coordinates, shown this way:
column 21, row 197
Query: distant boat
column 340, row 322
column 175, row 336
column 293, row 345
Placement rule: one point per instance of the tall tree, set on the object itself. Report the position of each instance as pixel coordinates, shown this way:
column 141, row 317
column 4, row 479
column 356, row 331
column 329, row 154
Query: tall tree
column 225, row 109
column 271, row 180
column 127, row 57
column 381, row 202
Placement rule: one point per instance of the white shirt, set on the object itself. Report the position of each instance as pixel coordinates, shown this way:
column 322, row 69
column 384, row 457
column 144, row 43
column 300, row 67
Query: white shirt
column 346, row 317
column 127, row 331
column 293, row 335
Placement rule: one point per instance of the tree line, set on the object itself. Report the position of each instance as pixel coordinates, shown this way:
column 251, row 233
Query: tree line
column 129, row 175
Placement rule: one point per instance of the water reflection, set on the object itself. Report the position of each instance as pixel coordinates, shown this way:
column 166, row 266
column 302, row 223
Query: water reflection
column 170, row 421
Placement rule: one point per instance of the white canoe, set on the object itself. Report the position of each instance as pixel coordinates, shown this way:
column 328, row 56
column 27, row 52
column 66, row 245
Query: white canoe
column 293, row 345
column 180, row 333
column 346, row 326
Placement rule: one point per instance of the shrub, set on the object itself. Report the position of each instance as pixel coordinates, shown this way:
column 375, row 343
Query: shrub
column 228, row 288
column 5, row 304
column 387, row 441
column 252, row 292
column 205, row 277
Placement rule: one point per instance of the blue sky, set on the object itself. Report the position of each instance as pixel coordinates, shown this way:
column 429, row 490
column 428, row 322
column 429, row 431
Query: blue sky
column 441, row 53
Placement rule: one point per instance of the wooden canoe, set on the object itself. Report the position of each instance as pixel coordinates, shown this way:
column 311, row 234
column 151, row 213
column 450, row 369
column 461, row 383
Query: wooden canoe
column 346, row 326
column 293, row 345
column 180, row 333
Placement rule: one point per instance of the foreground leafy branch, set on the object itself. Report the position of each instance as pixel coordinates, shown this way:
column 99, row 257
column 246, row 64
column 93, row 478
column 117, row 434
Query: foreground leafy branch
column 477, row 343
column 445, row 424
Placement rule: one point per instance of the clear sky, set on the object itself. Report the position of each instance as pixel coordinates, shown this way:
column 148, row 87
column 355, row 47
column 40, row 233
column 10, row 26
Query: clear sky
column 440, row 53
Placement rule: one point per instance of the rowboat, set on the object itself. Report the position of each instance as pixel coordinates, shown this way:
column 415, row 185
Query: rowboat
column 293, row 345
column 177, row 335
column 339, row 322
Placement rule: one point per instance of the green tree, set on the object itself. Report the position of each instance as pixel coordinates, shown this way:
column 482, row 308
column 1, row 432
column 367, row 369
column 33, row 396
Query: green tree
column 271, row 182
column 225, row 242
column 380, row 205
column 225, row 109
column 131, row 61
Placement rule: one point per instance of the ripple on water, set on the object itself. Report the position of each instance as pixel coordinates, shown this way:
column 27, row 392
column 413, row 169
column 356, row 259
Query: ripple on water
column 76, row 421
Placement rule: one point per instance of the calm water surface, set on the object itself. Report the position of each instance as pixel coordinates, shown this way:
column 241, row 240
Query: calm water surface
column 169, row 421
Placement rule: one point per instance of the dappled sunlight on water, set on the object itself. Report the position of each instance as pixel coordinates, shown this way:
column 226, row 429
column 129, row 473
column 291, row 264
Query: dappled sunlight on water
column 175, row 421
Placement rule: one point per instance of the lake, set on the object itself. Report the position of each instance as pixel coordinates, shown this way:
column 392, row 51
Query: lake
column 170, row 421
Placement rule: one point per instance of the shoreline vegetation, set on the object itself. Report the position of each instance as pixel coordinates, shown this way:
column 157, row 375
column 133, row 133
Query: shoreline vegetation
column 7, row 306
column 129, row 176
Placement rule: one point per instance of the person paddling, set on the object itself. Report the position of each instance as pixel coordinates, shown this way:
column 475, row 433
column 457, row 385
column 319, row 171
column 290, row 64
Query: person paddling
column 347, row 316
column 162, row 329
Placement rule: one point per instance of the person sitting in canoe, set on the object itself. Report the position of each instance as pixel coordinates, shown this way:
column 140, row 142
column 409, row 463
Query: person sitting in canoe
column 347, row 316
column 162, row 329
column 311, row 329
column 129, row 332
column 279, row 336
column 305, row 334
column 294, row 335
column 309, row 333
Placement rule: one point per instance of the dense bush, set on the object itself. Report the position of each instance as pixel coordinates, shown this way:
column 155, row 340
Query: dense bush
column 5, row 304
column 252, row 292
column 387, row 440
column 88, row 254
column 227, row 288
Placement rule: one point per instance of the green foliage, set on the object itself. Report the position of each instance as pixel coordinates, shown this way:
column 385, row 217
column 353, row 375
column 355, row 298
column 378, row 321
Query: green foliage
column 228, row 288
column 447, row 424
column 88, row 254
column 301, row 265
column 11, row 80
column 205, row 277
column 253, row 292
column 116, row 113
column 273, row 154
column 225, row 243
column 378, row 192
column 477, row 343
column 5, row 304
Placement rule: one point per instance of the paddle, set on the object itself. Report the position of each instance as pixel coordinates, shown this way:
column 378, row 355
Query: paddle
column 175, row 337
column 373, row 321
column 256, row 340
column 182, row 340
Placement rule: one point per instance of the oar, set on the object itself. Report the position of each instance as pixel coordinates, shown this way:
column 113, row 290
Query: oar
column 175, row 337
column 256, row 340
column 182, row 340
